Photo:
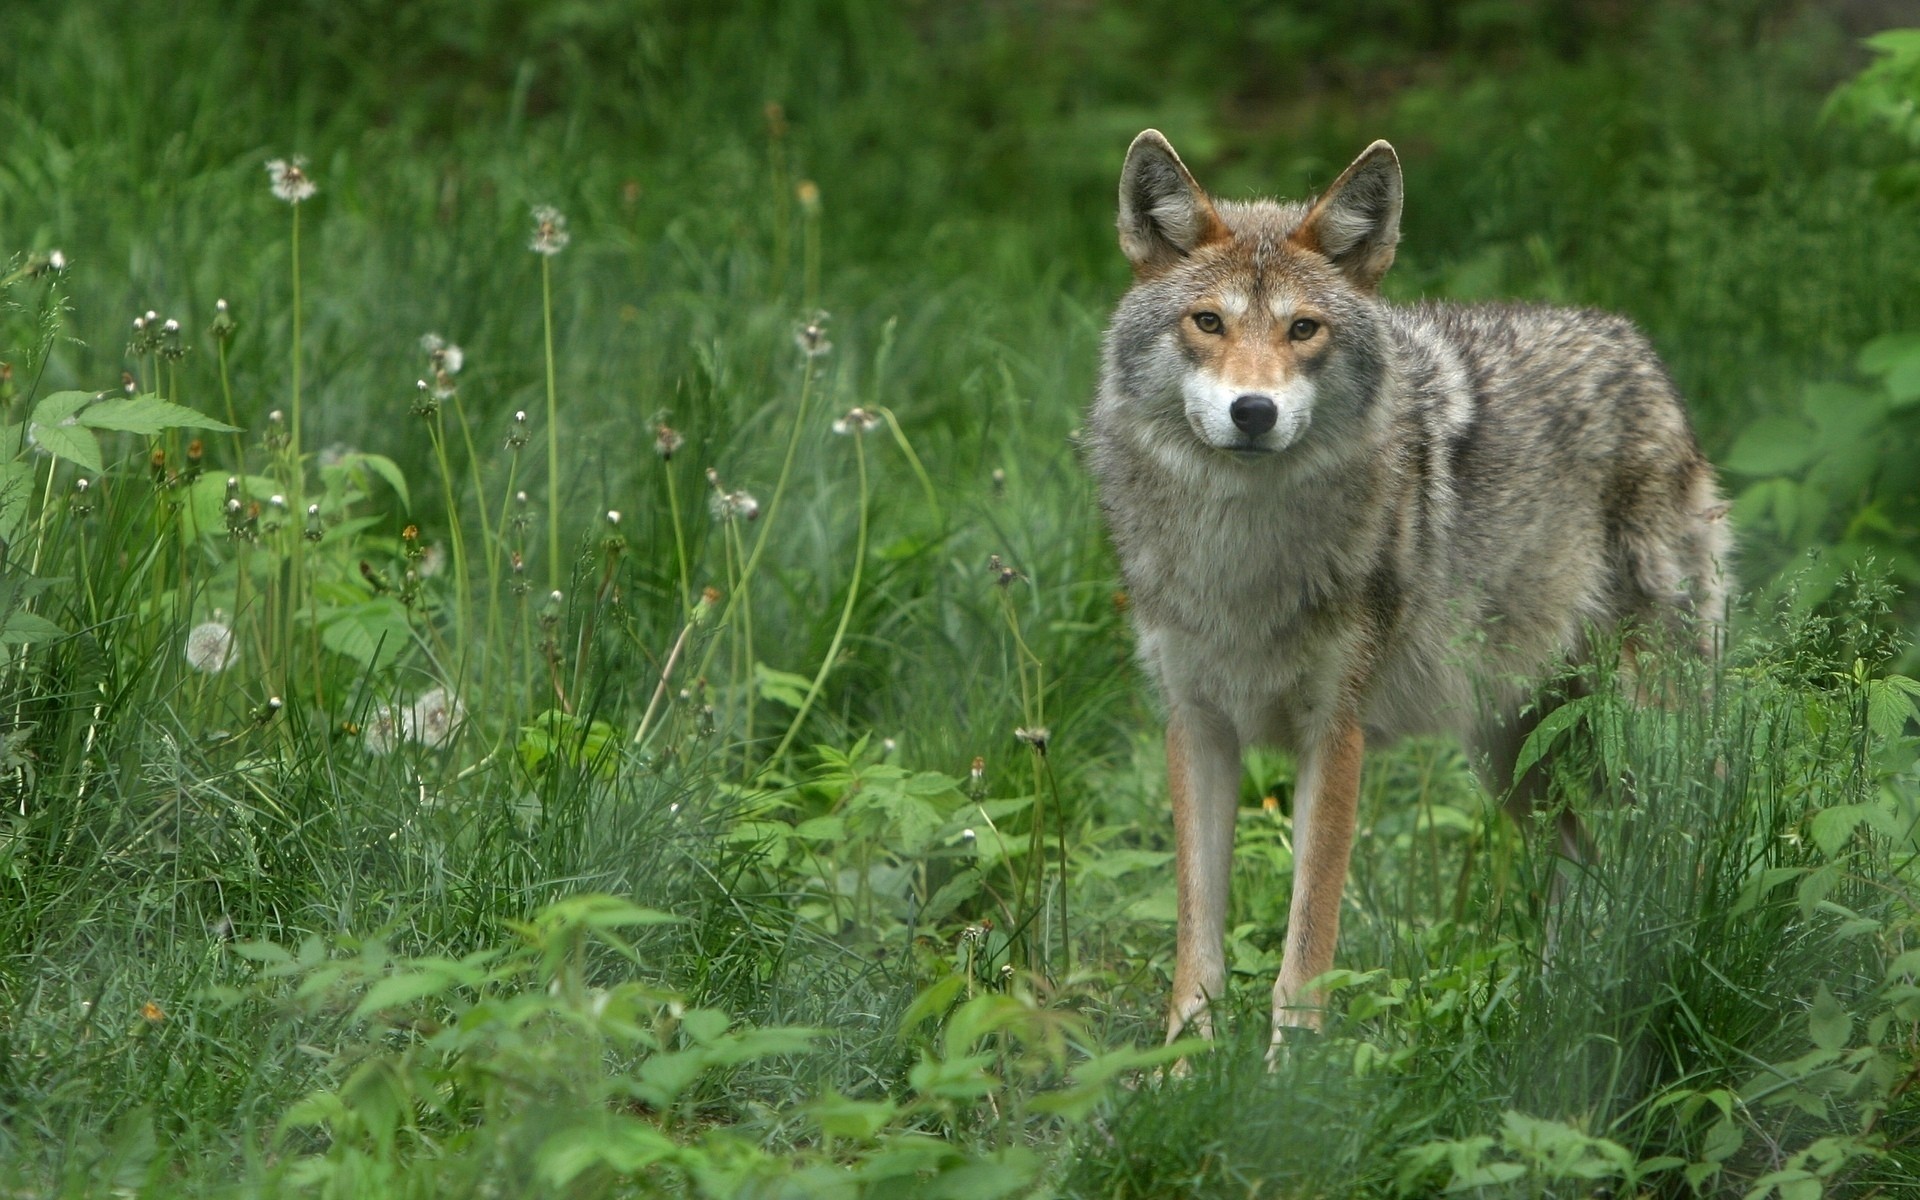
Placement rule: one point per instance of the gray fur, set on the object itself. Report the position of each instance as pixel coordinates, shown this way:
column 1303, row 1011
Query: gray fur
column 1479, row 486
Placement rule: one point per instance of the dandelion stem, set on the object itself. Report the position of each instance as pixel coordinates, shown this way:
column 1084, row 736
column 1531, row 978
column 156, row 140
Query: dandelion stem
column 226, row 390
column 772, row 512
column 486, row 530
column 679, row 544
column 846, row 611
column 660, row 690
column 553, row 431
column 462, row 584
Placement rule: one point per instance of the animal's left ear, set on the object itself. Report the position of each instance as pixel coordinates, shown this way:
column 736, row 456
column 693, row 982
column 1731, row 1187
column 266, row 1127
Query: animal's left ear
column 1356, row 222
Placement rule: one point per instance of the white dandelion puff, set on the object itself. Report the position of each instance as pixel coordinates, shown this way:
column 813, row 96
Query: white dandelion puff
column 435, row 717
column 857, row 420
column 550, row 234
column 290, row 180
column 210, row 647
column 811, row 337
column 443, row 354
column 385, row 730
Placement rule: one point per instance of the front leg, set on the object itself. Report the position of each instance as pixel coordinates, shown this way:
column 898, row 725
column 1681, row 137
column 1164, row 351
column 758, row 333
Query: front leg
column 1323, row 819
column 1203, row 778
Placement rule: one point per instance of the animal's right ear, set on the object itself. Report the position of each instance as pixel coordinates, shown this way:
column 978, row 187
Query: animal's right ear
column 1164, row 215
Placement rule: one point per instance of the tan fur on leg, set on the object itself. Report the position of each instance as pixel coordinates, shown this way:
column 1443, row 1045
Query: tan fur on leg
column 1203, row 776
column 1324, row 811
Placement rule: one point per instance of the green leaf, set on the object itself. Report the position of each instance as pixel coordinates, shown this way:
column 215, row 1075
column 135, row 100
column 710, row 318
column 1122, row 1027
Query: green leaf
column 398, row 991
column 22, row 628
column 16, row 489
column 386, row 469
column 69, row 440
column 838, row 1116
column 1772, row 446
column 1546, row 733
column 1828, row 1024
column 374, row 630
column 622, row 1144
column 705, row 1024
column 60, row 406
column 781, row 687
column 149, row 415
column 1888, row 351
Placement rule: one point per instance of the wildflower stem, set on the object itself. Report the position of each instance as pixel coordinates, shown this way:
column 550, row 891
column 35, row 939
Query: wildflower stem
column 553, row 431
column 462, row 583
column 226, row 390
column 913, row 460
column 660, row 689
column 846, row 612
column 486, row 530
column 679, row 544
column 773, row 510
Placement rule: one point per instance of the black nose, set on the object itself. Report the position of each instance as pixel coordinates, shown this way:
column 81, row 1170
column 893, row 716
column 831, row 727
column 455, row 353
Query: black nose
column 1253, row 414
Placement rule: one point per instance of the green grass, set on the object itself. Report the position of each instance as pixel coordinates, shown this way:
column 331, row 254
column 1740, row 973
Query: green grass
column 802, row 800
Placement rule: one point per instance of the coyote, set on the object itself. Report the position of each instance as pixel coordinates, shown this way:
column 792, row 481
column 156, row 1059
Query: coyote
column 1318, row 498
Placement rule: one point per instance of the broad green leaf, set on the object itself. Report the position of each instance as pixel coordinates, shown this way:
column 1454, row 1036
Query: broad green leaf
column 373, row 630
column 396, row 991
column 705, row 1024
column 69, row 440
column 838, row 1116
column 1546, row 733
column 1888, row 351
column 622, row 1144
column 781, row 687
column 149, row 415
column 22, row 628
column 16, row 489
column 1772, row 446
column 1828, row 1024
column 60, row 406
column 386, row 469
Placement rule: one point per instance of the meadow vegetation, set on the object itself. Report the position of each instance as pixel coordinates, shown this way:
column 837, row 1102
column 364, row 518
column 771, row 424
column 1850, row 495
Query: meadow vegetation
column 555, row 641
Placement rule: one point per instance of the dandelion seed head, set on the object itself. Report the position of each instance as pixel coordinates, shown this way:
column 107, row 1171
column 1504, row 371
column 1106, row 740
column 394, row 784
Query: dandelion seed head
column 433, row 560
column 220, row 306
column 613, row 516
column 210, row 647
column 667, row 441
column 289, row 180
column 152, row 316
column 56, row 261
column 856, row 421
column 435, row 717
column 1036, row 736
column 171, row 326
column 550, row 234
column 811, row 337
column 384, row 731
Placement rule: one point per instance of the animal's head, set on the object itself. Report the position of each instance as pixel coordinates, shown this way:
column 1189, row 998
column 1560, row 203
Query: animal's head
column 1261, row 318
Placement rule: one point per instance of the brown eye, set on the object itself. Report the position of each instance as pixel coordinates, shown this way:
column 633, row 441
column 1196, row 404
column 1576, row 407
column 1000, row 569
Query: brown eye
column 1209, row 322
column 1303, row 329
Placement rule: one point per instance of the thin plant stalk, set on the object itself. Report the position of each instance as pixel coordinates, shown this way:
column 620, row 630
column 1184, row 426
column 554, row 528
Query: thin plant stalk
column 462, row 583
column 679, row 544
column 846, row 612
column 772, row 512
column 553, row 430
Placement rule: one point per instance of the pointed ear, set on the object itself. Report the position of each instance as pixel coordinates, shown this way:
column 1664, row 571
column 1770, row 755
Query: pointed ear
column 1356, row 222
column 1164, row 215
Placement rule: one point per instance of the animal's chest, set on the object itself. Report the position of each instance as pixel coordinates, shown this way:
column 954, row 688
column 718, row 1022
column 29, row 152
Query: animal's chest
column 1249, row 611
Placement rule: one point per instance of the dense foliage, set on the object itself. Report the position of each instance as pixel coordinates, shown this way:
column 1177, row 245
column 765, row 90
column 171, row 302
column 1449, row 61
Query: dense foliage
column 558, row 644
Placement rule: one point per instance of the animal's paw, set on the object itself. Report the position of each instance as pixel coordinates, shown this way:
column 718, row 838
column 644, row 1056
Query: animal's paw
column 1292, row 1023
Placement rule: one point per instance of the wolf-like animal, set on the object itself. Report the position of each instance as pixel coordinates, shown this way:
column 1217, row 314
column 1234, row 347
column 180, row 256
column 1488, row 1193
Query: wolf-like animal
column 1341, row 519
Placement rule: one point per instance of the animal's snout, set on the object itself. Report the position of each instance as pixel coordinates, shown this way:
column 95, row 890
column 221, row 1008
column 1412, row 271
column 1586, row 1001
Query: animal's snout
column 1253, row 414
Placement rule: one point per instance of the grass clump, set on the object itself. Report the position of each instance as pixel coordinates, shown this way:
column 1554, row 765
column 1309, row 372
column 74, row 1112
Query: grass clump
column 478, row 719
